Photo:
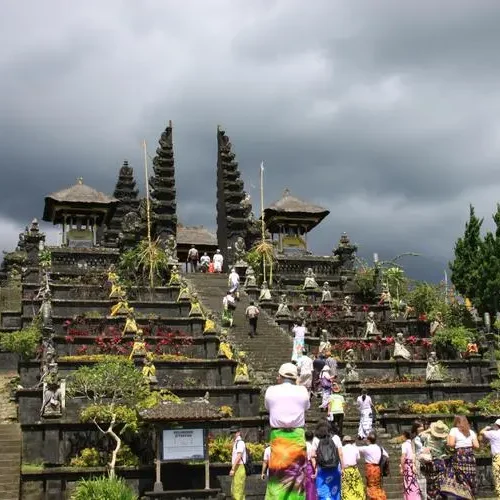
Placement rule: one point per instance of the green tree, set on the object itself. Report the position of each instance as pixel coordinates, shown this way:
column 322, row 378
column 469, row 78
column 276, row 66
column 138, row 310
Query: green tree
column 465, row 266
column 115, row 389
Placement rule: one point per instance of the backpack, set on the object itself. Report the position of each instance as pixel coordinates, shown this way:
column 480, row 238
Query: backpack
column 249, row 463
column 327, row 454
column 325, row 383
column 383, row 464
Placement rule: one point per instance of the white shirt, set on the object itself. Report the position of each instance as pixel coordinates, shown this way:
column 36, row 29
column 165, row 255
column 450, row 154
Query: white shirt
column 366, row 404
column 218, row 259
column 406, row 449
column 205, row 259
column 305, row 365
column 310, row 450
column 267, row 454
column 228, row 299
column 287, row 404
column 336, row 441
column 299, row 331
column 462, row 441
column 493, row 436
column 234, row 278
column 351, row 455
column 371, row 453
column 239, row 447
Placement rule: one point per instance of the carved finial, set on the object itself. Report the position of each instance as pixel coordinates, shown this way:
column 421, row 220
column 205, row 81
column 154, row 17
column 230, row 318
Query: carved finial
column 79, row 180
column 170, row 123
column 125, row 163
column 286, row 192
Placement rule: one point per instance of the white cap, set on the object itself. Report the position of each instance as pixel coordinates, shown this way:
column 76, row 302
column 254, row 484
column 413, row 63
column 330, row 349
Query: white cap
column 288, row 370
column 497, row 422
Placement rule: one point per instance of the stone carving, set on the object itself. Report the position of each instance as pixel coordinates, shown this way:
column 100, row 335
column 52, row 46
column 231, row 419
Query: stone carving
column 196, row 309
column 225, row 349
column 434, row 371
column 121, row 308
column 310, row 280
column 130, row 324
column 149, row 369
column 351, row 373
column 139, row 346
column 347, row 306
column 171, row 249
column 326, row 294
column 400, row 350
column 242, row 376
column 324, row 343
column 46, row 310
column 437, row 324
column 302, row 314
column 385, row 296
column 250, row 279
column 53, row 393
column 210, row 327
column 371, row 326
column 175, row 276
column 283, row 310
column 346, row 252
column 239, row 250
column 184, row 292
column 265, row 293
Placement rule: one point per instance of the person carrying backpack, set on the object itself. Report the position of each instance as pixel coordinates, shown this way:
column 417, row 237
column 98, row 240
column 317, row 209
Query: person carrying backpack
column 239, row 461
column 329, row 462
column 192, row 258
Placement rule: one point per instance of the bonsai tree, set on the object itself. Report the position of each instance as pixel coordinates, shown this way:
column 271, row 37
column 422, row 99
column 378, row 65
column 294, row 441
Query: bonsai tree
column 115, row 388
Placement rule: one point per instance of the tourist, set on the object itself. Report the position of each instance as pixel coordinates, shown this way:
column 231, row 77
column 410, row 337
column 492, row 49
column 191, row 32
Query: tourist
column 372, row 453
column 305, row 366
column 265, row 463
column 310, row 486
column 417, row 429
column 408, row 469
column 252, row 314
column 325, row 381
column 336, row 408
column 433, row 455
column 328, row 454
column 204, row 262
column 287, row 403
column 318, row 365
column 228, row 306
column 460, row 477
column 238, row 461
column 331, row 362
column 218, row 261
column 365, row 407
column 192, row 258
column 492, row 434
column 299, row 332
column 352, row 486
column 234, row 283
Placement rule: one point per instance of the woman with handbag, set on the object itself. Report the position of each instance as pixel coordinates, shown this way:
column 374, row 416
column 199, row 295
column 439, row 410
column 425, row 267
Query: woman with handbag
column 408, row 469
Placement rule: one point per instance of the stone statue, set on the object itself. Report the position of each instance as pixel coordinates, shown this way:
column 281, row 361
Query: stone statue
column 385, row 296
column 46, row 310
column 149, row 369
column 302, row 314
column 130, row 324
column 283, row 309
column 310, row 280
column 171, row 249
column 400, row 350
column 371, row 326
column 225, row 350
column 52, row 403
column 434, row 371
column 196, row 309
column 250, row 279
column 121, row 308
column 242, row 376
column 210, row 327
column 239, row 250
column 326, row 294
column 347, row 306
column 437, row 324
column 175, row 277
column 351, row 373
column 265, row 293
column 184, row 292
column 139, row 345
column 324, row 343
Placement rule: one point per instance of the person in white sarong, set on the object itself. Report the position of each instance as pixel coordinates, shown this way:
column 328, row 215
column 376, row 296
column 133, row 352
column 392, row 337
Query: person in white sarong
column 218, row 261
column 234, row 282
column 305, row 366
column 298, row 341
column 365, row 406
column 228, row 306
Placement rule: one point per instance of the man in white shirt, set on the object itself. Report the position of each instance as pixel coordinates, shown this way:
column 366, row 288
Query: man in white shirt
column 287, row 403
column 492, row 434
column 238, row 461
column 204, row 262
column 305, row 366
column 234, row 282
column 252, row 314
column 218, row 261
column 265, row 463
column 228, row 306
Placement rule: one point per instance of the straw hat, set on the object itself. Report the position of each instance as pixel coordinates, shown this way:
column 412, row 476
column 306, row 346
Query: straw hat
column 288, row 370
column 348, row 439
column 439, row 429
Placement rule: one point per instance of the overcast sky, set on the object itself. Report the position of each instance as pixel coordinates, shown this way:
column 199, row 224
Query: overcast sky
column 385, row 112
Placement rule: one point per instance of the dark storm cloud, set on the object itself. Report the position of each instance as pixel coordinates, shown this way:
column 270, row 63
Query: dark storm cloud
column 384, row 112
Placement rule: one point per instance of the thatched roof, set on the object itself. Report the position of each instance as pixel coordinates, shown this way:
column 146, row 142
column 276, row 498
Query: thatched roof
column 195, row 235
column 174, row 412
column 291, row 204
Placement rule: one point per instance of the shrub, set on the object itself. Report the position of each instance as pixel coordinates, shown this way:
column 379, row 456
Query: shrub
column 24, row 342
column 452, row 338
column 103, row 488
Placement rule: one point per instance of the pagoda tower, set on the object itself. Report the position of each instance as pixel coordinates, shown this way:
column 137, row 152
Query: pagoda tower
column 234, row 209
column 127, row 195
column 162, row 184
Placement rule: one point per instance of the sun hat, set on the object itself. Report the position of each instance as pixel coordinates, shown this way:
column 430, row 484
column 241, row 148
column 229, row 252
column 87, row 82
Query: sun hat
column 288, row 370
column 348, row 439
column 439, row 429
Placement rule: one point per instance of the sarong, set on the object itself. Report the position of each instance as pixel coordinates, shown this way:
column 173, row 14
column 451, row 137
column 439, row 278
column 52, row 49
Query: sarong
column 287, row 466
column 434, row 473
column 238, row 483
column 298, row 348
column 365, row 423
column 311, row 493
column 374, row 490
column 326, row 392
column 495, row 470
column 411, row 489
column 352, row 484
column 328, row 484
column 227, row 317
column 460, row 476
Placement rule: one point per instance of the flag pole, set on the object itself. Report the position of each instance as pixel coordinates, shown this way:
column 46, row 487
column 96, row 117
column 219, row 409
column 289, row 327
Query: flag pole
column 148, row 215
column 263, row 230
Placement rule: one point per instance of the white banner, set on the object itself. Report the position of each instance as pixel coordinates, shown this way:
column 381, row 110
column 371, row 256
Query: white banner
column 183, row 444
